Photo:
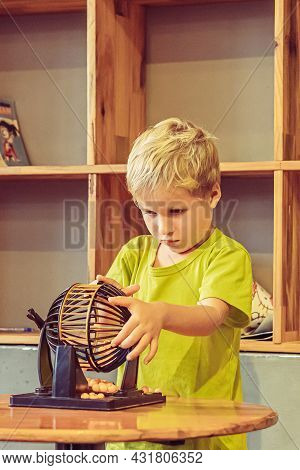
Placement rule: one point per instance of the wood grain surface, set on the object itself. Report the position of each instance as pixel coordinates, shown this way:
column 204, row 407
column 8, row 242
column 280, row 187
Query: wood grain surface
column 179, row 418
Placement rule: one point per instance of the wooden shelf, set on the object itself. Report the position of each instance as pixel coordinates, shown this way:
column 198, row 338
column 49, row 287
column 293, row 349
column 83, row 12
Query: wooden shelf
column 292, row 165
column 24, row 7
column 269, row 346
column 249, row 168
column 159, row 3
column 59, row 172
column 246, row 345
column 82, row 171
column 19, row 338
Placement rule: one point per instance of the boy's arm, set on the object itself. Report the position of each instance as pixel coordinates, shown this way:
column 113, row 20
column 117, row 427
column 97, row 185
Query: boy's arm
column 149, row 318
column 199, row 320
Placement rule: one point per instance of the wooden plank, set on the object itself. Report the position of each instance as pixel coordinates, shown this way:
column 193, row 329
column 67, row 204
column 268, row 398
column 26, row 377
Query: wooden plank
column 291, row 165
column 287, row 80
column 24, row 7
column 109, row 233
column 19, row 338
column 286, row 256
column 91, row 83
column 104, row 73
column 278, row 257
column 119, row 84
column 118, row 220
column 291, row 261
column 59, row 172
column 137, row 103
column 246, row 345
column 278, row 79
column 82, row 171
column 249, row 168
column 269, row 347
column 92, row 227
column 291, row 85
column 157, row 3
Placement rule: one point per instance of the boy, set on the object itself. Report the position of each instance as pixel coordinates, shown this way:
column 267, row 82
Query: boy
column 192, row 284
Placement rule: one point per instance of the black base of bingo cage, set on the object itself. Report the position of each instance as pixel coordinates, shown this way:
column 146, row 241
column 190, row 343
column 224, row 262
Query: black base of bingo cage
column 108, row 403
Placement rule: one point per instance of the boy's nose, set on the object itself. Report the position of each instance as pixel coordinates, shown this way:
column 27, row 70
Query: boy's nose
column 165, row 230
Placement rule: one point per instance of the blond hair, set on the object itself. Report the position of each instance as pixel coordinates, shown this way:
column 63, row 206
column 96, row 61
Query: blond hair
column 173, row 153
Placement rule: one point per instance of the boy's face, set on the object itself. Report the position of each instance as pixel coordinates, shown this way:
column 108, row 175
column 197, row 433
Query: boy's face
column 178, row 219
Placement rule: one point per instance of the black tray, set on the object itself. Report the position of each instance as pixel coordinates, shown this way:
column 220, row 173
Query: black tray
column 109, row 403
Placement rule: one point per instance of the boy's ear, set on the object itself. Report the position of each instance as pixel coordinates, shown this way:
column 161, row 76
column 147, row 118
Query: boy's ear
column 215, row 195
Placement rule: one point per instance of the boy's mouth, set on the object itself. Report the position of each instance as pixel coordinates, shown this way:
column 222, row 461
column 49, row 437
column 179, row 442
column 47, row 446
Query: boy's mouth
column 170, row 242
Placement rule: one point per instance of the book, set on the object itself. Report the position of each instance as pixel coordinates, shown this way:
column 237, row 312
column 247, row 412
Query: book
column 12, row 148
column 261, row 324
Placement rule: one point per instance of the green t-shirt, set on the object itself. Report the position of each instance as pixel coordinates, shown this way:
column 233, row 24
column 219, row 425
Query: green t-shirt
column 191, row 366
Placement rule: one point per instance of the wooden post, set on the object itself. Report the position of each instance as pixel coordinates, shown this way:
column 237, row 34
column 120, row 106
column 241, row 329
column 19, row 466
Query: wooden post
column 287, row 147
column 116, row 84
column 116, row 113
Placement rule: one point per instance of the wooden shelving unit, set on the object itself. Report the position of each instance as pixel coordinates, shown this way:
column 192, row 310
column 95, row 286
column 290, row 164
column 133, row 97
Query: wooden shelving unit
column 82, row 171
column 116, row 113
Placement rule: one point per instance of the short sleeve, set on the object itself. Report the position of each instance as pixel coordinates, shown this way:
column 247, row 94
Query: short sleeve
column 229, row 278
column 122, row 267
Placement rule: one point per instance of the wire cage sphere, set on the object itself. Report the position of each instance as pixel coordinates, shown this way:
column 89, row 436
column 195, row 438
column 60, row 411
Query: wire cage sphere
column 82, row 317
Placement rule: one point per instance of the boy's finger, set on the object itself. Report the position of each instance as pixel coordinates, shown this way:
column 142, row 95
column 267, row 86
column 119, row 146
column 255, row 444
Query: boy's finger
column 141, row 346
column 152, row 352
column 122, row 301
column 108, row 280
column 132, row 339
column 130, row 290
column 126, row 330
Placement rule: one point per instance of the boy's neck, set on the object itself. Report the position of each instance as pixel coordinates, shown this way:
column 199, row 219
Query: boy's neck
column 194, row 247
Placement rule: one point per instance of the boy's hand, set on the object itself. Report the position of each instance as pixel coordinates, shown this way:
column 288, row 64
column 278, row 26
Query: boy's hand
column 130, row 290
column 142, row 328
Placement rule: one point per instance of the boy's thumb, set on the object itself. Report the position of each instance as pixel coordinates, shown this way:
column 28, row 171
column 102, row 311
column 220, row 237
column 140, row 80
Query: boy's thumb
column 130, row 290
column 120, row 300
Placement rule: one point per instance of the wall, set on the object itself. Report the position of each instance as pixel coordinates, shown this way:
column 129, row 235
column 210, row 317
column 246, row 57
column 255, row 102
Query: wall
column 43, row 69
column 214, row 64
column 38, row 254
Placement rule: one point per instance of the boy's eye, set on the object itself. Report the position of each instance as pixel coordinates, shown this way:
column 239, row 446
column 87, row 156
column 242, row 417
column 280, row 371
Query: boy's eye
column 149, row 213
column 177, row 211
column 171, row 212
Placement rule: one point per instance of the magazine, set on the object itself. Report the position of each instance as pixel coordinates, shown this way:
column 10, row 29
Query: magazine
column 12, row 149
column 261, row 325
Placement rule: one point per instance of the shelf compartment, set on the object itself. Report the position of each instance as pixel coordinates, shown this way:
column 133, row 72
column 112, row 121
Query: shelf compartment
column 45, row 75
column 201, row 68
column 43, row 245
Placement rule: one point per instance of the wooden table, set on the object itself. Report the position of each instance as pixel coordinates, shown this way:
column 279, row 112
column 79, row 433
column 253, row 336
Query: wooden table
column 178, row 419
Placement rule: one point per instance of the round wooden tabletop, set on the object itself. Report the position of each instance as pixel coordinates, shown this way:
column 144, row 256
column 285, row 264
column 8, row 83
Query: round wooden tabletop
column 179, row 418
